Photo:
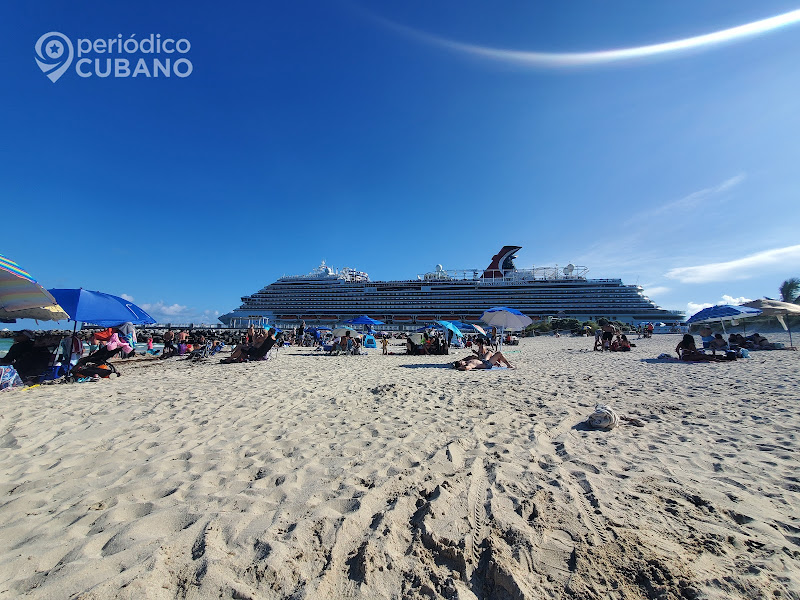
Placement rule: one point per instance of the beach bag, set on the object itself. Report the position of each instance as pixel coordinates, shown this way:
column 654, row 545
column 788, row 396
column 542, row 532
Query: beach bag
column 603, row 417
column 90, row 371
column 9, row 378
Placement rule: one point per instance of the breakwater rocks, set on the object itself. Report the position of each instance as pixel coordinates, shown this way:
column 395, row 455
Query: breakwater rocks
column 229, row 336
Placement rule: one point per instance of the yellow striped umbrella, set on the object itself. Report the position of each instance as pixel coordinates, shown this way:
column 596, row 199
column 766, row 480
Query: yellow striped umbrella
column 21, row 297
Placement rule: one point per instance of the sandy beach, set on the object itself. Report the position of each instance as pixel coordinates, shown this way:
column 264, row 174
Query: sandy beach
column 374, row 476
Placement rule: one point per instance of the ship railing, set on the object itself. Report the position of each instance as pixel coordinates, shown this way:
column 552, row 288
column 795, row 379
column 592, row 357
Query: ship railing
column 533, row 274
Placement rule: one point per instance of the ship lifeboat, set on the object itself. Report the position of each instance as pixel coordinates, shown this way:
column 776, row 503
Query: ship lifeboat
column 327, row 318
column 401, row 318
column 309, row 317
column 425, row 318
column 287, row 317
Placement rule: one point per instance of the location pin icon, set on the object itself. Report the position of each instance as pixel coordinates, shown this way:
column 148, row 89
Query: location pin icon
column 54, row 54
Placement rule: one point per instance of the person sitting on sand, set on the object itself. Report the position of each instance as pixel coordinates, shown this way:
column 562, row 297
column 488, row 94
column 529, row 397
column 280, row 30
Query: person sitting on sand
column 624, row 343
column 29, row 359
column 470, row 363
column 687, row 350
column 759, row 341
column 718, row 343
column 255, row 351
column 706, row 336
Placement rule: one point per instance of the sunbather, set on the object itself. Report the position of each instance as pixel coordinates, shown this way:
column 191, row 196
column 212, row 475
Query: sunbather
column 493, row 359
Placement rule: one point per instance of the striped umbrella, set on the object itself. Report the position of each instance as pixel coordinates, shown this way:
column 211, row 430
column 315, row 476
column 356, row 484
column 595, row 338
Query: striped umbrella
column 21, row 297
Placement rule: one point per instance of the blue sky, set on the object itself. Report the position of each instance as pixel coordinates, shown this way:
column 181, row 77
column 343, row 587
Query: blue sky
column 342, row 129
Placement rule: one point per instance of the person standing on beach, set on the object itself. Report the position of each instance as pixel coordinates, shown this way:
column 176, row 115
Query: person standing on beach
column 169, row 337
column 300, row 332
column 385, row 345
column 608, row 335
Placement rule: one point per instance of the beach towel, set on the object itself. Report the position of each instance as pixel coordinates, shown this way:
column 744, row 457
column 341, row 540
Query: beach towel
column 9, row 378
column 603, row 417
column 114, row 342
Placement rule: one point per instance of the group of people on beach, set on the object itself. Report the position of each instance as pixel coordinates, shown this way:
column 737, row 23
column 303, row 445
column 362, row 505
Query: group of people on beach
column 607, row 337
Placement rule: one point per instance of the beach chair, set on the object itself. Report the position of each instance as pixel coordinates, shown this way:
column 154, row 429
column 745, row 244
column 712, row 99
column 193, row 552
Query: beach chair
column 200, row 353
column 96, row 364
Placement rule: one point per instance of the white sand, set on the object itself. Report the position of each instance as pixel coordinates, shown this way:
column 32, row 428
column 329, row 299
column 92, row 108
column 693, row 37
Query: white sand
column 391, row 477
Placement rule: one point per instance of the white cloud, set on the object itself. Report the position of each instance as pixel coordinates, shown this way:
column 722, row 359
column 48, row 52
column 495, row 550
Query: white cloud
column 127, row 297
column 656, row 291
column 159, row 308
column 693, row 307
column 735, row 301
column 179, row 313
column 740, row 268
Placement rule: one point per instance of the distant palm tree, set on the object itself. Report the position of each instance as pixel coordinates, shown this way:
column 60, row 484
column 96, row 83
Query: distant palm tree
column 790, row 290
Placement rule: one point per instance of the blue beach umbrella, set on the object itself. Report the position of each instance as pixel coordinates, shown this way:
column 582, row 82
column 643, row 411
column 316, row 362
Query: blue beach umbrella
column 450, row 326
column 721, row 312
column 99, row 308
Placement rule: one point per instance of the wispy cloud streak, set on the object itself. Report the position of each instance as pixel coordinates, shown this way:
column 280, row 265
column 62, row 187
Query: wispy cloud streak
column 741, row 268
column 572, row 59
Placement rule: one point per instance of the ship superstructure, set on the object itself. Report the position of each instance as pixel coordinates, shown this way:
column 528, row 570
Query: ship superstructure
column 326, row 296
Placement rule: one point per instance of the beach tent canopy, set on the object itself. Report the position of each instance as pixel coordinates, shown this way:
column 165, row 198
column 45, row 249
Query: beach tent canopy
column 722, row 312
column 774, row 308
column 21, row 297
column 507, row 318
column 777, row 309
column 99, row 308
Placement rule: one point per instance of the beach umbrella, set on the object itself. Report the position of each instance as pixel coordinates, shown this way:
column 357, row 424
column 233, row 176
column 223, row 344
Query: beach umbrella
column 721, row 312
column 99, row 308
column 479, row 329
column 449, row 326
column 505, row 318
column 341, row 331
column 775, row 308
column 21, row 297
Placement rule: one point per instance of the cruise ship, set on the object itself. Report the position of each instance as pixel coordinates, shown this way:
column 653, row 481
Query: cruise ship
column 326, row 296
